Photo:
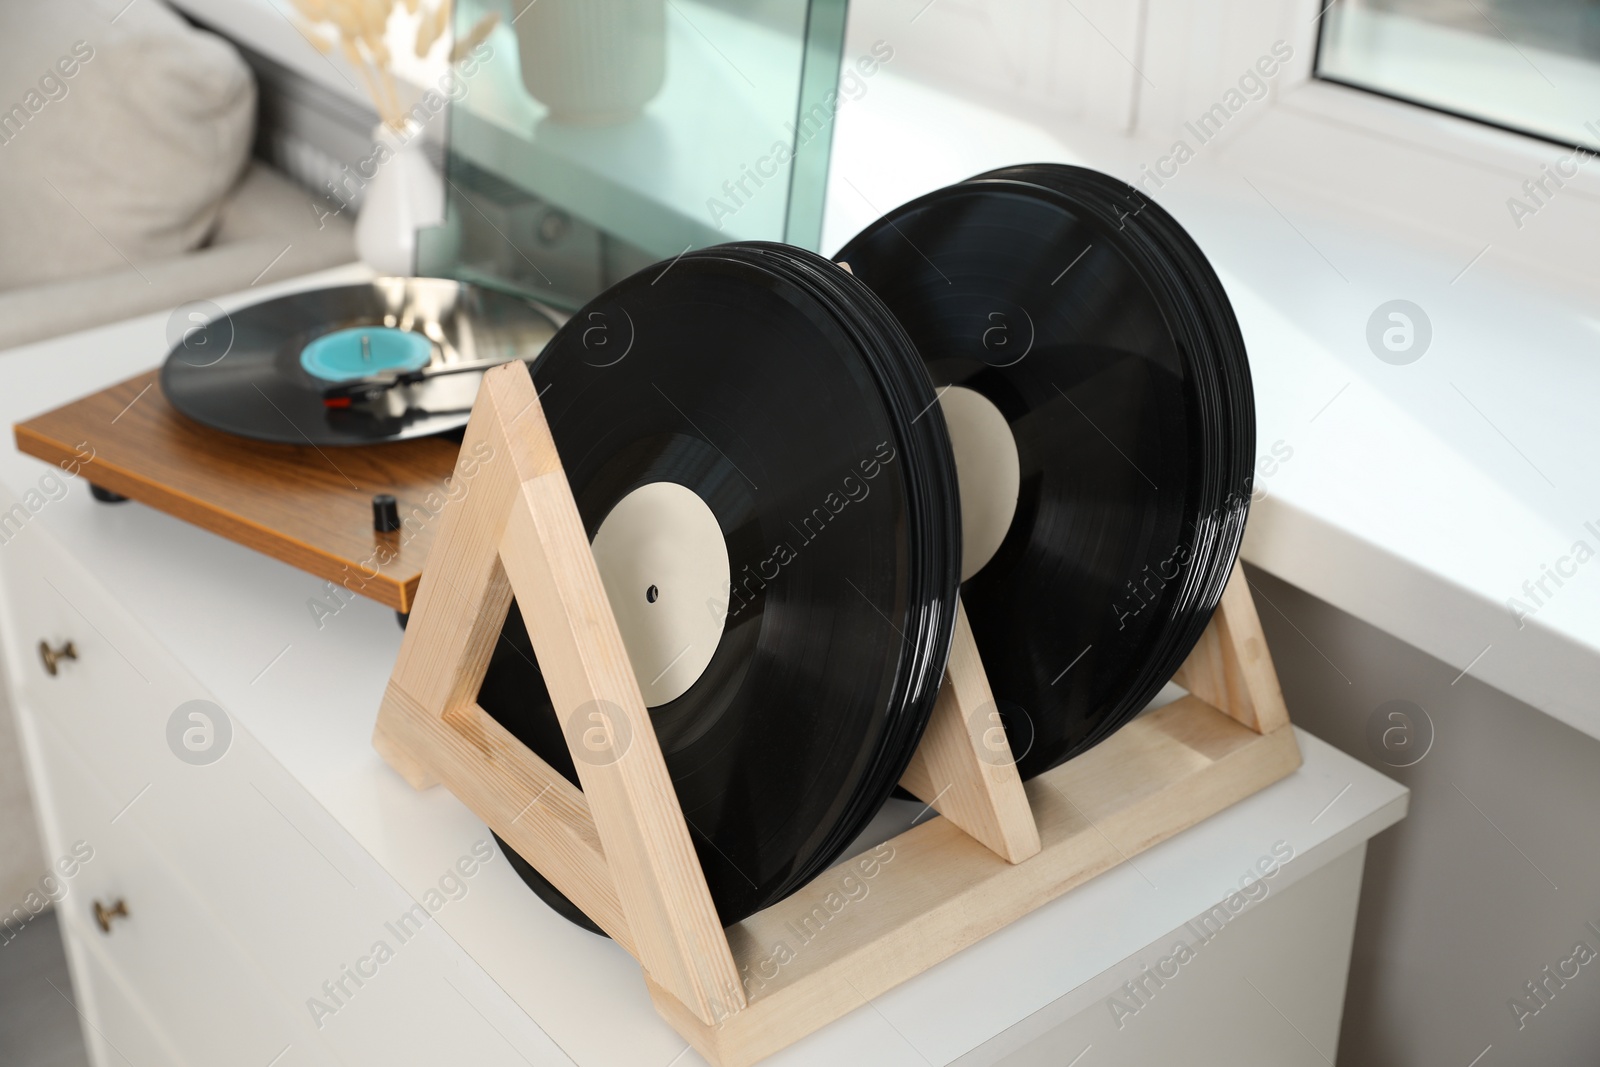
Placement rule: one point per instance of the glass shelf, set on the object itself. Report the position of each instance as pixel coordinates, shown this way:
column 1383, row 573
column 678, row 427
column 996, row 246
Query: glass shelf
column 733, row 146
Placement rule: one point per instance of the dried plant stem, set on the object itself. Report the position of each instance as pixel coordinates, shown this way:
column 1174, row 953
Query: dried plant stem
column 360, row 29
column 475, row 37
column 313, row 38
column 352, row 54
column 397, row 117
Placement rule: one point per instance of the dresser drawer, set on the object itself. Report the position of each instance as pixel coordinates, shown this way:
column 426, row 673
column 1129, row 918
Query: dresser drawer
column 120, row 1031
column 279, row 873
column 185, row 972
column 238, row 954
column 104, row 681
column 270, row 880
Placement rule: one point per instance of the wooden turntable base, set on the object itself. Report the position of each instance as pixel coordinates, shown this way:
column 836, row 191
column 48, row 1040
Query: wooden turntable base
column 309, row 507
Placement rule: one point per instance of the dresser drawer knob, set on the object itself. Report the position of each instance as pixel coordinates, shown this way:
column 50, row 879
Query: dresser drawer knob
column 103, row 915
column 53, row 656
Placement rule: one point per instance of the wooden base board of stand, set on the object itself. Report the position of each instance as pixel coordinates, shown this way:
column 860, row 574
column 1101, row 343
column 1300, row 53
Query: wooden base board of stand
column 619, row 848
column 933, row 890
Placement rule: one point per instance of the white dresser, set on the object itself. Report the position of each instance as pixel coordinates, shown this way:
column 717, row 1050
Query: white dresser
column 291, row 901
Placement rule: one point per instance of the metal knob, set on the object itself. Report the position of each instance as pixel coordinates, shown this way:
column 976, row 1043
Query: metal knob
column 53, row 656
column 104, row 915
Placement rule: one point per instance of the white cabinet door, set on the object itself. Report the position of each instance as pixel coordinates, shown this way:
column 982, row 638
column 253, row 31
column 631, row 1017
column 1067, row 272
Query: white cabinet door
column 274, row 869
column 182, row 971
column 80, row 660
column 117, row 1031
column 252, row 913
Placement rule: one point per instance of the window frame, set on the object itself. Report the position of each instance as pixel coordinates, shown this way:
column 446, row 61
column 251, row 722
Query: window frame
column 1317, row 75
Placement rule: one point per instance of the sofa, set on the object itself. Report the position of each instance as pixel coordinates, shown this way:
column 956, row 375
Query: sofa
column 127, row 183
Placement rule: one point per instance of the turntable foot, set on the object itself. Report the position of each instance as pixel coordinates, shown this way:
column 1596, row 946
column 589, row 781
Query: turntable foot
column 402, row 617
column 104, row 495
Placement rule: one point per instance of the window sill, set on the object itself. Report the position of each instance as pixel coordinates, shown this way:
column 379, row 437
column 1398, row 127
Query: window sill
column 1417, row 497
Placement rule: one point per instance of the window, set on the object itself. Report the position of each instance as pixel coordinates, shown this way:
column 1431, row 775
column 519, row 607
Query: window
column 1527, row 65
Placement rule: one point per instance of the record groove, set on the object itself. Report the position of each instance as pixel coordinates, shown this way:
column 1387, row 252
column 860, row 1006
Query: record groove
column 309, row 368
column 777, row 388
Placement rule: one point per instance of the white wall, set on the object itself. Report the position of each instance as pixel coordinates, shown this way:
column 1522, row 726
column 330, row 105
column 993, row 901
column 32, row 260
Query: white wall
column 1136, row 66
column 1068, row 59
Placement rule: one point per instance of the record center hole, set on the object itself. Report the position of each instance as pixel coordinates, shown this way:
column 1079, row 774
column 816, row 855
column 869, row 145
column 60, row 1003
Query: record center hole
column 651, row 594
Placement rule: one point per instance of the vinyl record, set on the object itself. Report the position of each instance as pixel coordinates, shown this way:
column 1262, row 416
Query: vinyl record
column 388, row 360
column 777, row 533
column 1097, row 392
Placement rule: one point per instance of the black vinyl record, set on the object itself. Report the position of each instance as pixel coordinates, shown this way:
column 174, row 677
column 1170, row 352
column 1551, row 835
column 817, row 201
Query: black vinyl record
column 415, row 351
column 1087, row 317
column 779, row 391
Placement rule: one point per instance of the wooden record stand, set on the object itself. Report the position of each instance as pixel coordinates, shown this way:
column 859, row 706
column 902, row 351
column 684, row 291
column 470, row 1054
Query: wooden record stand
column 620, row 848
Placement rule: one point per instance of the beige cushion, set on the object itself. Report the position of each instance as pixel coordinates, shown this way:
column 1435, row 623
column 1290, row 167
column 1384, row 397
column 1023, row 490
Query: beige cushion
column 118, row 139
column 267, row 204
column 267, row 233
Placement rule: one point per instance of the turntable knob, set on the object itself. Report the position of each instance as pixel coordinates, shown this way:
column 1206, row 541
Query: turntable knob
column 385, row 513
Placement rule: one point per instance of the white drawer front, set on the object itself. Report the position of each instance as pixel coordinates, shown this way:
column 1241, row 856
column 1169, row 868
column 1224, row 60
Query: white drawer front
column 114, row 697
column 119, row 1031
column 275, row 869
column 268, row 873
column 238, row 954
column 189, row 975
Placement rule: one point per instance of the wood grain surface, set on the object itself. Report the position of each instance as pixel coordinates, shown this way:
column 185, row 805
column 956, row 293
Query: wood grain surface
column 309, row 507
column 889, row 914
column 964, row 768
column 620, row 848
column 1231, row 668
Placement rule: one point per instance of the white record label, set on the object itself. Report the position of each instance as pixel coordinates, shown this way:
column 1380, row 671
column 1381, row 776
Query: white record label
column 988, row 473
column 663, row 558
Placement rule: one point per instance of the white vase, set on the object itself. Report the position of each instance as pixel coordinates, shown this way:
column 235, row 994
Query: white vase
column 593, row 62
column 404, row 195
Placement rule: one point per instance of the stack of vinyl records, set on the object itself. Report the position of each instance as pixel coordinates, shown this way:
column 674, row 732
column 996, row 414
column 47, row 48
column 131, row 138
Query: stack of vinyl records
column 1026, row 392
column 1090, row 320
column 790, row 695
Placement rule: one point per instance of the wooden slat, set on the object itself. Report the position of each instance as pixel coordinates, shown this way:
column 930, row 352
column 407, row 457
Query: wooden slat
column 677, row 936
column 462, row 604
column 429, row 725
column 963, row 768
column 415, row 771
column 520, row 529
column 523, row 799
column 938, row 890
column 309, row 508
column 1230, row 667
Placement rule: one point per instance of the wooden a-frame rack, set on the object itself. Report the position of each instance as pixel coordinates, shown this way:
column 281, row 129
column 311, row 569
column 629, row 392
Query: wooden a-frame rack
column 620, row 849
